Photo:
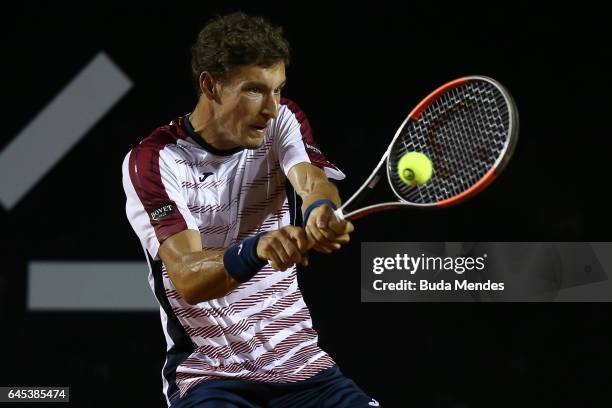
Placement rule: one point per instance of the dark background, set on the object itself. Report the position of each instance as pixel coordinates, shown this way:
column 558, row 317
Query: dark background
column 356, row 72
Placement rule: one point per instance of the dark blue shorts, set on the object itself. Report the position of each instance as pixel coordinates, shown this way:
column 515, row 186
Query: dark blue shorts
column 329, row 388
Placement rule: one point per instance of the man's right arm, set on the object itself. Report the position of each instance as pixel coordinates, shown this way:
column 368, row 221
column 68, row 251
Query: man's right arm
column 197, row 275
column 200, row 275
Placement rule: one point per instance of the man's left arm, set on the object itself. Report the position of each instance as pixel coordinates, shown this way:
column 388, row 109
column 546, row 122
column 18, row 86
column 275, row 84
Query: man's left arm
column 319, row 197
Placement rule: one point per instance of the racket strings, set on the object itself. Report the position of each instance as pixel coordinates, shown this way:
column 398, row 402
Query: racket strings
column 464, row 132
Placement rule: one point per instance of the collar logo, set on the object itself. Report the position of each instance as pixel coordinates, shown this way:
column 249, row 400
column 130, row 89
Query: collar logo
column 204, row 176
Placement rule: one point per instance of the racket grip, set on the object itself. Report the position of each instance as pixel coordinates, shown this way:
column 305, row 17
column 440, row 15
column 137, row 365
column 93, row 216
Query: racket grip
column 339, row 214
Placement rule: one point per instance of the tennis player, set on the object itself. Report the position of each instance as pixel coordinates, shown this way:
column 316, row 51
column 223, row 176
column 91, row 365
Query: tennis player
column 211, row 196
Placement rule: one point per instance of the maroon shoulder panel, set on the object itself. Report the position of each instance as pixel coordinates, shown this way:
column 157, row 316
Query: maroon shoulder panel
column 146, row 179
column 312, row 148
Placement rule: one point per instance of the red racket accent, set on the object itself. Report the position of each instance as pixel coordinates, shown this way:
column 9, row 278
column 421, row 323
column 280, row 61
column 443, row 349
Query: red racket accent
column 416, row 112
column 472, row 191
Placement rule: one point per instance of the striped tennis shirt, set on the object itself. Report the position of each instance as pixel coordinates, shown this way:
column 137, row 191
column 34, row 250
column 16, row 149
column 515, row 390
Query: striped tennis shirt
column 175, row 181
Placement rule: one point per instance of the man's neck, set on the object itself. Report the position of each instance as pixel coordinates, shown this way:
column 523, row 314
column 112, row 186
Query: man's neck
column 202, row 124
column 201, row 121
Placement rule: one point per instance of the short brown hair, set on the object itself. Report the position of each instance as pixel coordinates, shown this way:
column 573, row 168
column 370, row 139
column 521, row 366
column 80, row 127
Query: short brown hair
column 233, row 40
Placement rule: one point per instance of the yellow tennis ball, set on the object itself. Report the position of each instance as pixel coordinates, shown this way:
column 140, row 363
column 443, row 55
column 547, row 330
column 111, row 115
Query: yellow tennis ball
column 414, row 168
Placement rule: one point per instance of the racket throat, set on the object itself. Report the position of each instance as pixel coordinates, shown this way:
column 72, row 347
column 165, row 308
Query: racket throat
column 358, row 199
column 374, row 182
column 360, row 195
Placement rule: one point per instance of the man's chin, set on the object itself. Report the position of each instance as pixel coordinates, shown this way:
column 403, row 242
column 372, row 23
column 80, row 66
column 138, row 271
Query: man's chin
column 254, row 142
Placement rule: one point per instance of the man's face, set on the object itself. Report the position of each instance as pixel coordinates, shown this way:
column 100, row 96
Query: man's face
column 247, row 102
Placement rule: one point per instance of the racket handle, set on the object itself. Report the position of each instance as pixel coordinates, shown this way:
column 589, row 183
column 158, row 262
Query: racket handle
column 339, row 214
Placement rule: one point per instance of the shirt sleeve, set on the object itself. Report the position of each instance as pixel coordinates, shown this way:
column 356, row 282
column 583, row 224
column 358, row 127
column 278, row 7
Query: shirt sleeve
column 295, row 143
column 155, row 205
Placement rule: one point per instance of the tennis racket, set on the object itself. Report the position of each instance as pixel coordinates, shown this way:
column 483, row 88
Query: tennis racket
column 467, row 127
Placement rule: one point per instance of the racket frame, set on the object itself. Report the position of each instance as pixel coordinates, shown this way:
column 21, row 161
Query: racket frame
column 480, row 185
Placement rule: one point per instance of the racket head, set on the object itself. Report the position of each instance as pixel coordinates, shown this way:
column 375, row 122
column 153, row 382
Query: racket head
column 468, row 128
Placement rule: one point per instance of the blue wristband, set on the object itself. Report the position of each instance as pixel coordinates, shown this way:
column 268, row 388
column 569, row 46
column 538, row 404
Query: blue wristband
column 316, row 204
column 241, row 260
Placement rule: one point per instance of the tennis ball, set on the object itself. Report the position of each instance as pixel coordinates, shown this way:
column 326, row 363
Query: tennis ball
column 414, row 168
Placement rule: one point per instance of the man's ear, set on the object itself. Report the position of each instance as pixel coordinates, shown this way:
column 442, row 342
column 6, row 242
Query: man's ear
column 208, row 86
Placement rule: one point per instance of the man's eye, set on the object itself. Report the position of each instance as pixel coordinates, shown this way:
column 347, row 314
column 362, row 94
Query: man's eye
column 255, row 90
column 278, row 91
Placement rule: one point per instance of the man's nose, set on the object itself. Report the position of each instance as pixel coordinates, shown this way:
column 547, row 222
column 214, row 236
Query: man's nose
column 270, row 107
